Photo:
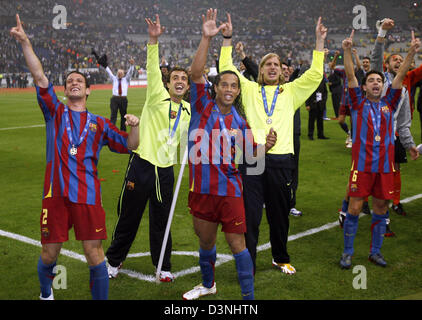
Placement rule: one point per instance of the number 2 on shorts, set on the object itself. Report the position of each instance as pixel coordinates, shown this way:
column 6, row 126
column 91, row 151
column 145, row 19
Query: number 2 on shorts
column 44, row 216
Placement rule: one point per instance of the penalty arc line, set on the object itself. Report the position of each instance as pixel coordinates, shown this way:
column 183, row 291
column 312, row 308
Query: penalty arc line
column 221, row 258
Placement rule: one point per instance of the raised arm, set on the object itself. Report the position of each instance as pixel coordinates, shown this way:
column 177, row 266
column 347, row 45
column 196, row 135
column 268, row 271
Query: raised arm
column 154, row 29
column 333, row 63
column 377, row 58
column 155, row 88
column 130, row 71
column 32, row 61
column 321, row 34
column 356, row 55
column 209, row 30
column 348, row 61
column 404, row 68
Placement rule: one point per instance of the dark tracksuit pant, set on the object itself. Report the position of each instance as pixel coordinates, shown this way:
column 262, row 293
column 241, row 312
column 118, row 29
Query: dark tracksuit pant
column 316, row 114
column 140, row 185
column 118, row 104
column 273, row 187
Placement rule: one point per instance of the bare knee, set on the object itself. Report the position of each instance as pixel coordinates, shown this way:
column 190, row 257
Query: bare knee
column 236, row 242
column 355, row 205
column 50, row 252
column 379, row 206
column 94, row 252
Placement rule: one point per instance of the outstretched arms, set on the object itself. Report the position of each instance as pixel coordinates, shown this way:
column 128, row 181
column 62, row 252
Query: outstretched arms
column 32, row 61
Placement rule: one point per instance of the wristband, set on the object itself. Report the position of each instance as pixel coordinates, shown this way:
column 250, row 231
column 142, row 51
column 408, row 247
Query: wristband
column 382, row 33
column 227, row 37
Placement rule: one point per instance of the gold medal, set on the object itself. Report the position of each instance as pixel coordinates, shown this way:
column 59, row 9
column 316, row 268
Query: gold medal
column 269, row 121
column 377, row 138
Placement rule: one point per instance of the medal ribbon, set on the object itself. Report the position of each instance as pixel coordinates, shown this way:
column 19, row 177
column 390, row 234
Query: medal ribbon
column 231, row 140
column 172, row 131
column 69, row 129
column 376, row 119
column 264, row 99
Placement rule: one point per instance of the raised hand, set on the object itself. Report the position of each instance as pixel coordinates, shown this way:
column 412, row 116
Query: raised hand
column 387, row 24
column 17, row 32
column 209, row 25
column 415, row 43
column 320, row 30
column 348, row 42
column 154, row 27
column 227, row 31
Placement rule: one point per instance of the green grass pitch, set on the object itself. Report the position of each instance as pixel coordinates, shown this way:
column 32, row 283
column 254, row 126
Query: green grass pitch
column 324, row 168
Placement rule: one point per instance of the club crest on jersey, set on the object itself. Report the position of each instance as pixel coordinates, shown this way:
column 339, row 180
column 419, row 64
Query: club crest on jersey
column 385, row 109
column 173, row 114
column 45, row 232
column 93, row 127
column 354, row 187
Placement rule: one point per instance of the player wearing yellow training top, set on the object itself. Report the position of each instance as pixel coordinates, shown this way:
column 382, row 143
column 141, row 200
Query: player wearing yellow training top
column 149, row 176
column 271, row 103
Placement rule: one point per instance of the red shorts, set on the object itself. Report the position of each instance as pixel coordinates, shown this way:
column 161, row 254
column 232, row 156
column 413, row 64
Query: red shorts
column 344, row 110
column 229, row 211
column 363, row 184
column 58, row 215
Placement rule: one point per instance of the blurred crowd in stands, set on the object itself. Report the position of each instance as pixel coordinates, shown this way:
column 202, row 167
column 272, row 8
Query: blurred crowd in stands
column 117, row 28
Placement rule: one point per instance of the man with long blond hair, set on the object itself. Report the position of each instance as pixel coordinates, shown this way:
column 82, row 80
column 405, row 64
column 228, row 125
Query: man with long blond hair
column 271, row 103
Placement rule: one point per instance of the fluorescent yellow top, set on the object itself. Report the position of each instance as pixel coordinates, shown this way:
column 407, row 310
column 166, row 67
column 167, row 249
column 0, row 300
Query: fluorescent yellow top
column 293, row 95
column 154, row 122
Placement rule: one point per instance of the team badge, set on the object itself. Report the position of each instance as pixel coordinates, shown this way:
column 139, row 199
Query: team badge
column 354, row 187
column 93, row 127
column 385, row 109
column 45, row 232
column 173, row 114
column 130, row 185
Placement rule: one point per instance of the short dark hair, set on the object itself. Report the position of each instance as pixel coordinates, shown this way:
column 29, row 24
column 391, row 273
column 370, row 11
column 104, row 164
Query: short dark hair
column 80, row 73
column 176, row 69
column 372, row 72
column 367, row 58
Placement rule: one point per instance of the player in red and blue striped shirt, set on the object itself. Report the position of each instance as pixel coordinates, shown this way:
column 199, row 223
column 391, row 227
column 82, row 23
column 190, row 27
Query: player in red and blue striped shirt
column 372, row 150
column 216, row 129
column 72, row 194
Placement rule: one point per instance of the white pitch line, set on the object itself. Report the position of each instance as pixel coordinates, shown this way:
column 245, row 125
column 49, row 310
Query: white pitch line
column 221, row 258
column 24, row 127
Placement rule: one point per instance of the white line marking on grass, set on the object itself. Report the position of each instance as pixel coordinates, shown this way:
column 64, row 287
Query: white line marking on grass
column 25, row 127
column 221, row 258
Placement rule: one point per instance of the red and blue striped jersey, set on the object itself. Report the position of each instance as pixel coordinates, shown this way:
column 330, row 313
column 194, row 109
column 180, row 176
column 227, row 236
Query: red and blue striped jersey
column 216, row 143
column 75, row 176
column 373, row 134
